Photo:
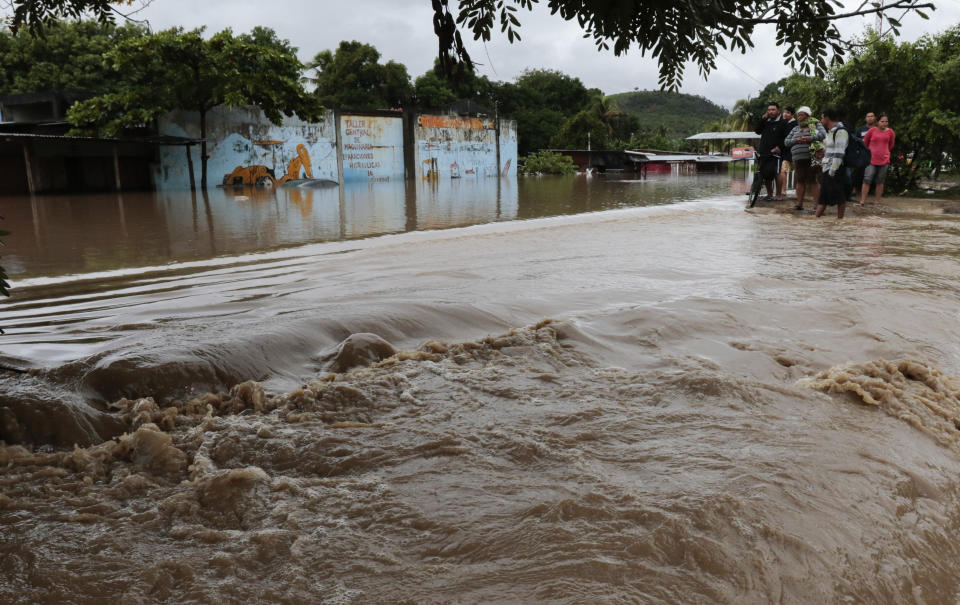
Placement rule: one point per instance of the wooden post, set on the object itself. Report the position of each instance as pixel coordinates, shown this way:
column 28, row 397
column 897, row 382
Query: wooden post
column 409, row 146
column 116, row 168
column 26, row 160
column 193, row 182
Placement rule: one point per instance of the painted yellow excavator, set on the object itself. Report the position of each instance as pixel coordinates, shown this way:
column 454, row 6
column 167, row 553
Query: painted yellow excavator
column 261, row 176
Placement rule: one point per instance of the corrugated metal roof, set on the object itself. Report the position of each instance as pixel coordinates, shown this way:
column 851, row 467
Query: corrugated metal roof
column 9, row 137
column 714, row 159
column 706, row 136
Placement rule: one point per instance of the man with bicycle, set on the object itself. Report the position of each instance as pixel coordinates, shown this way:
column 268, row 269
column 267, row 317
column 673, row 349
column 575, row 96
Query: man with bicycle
column 772, row 130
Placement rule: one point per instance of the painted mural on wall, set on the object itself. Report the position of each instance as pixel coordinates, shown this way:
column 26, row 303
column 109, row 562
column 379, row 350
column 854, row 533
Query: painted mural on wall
column 245, row 148
column 372, row 148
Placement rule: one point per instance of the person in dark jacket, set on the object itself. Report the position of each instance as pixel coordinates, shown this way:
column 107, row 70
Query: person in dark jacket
column 785, row 156
column 856, row 176
column 772, row 130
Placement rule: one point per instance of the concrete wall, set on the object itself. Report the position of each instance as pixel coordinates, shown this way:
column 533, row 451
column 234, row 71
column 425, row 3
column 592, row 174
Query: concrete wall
column 372, row 148
column 508, row 148
column 242, row 137
column 458, row 147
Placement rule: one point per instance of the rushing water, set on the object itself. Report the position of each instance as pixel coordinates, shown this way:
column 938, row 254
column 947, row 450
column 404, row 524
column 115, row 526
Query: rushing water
column 676, row 402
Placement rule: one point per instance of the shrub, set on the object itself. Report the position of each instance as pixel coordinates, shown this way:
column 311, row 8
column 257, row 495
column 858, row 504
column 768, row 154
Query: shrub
column 547, row 162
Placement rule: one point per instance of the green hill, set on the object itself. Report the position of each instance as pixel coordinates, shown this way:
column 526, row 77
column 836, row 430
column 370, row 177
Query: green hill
column 680, row 114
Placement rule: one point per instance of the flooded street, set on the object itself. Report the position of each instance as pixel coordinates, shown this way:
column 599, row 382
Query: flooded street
column 56, row 235
column 639, row 393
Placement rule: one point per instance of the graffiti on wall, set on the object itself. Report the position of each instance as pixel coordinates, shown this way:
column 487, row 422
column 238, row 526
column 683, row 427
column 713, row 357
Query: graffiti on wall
column 457, row 147
column 244, row 140
column 372, row 148
column 245, row 148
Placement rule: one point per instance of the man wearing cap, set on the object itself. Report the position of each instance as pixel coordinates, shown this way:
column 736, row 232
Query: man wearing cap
column 798, row 141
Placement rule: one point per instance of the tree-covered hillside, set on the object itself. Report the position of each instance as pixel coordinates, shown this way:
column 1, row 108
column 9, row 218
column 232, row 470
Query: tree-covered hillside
column 680, row 114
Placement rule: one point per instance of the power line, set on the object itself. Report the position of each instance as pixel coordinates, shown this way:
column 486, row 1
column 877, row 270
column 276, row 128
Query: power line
column 722, row 56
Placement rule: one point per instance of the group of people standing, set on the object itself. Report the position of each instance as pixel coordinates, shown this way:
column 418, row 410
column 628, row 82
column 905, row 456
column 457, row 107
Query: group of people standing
column 815, row 150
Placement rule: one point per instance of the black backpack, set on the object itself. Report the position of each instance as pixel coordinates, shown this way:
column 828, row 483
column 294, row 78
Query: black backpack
column 857, row 154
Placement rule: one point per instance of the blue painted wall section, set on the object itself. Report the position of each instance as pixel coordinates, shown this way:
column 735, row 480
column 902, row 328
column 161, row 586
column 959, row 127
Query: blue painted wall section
column 244, row 137
column 372, row 148
column 508, row 148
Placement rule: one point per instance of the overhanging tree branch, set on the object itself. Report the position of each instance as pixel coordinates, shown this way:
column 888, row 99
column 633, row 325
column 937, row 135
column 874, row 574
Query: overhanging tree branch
column 908, row 5
column 679, row 31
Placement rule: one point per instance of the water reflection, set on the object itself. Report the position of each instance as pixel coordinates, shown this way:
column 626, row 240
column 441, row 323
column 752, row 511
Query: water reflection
column 54, row 235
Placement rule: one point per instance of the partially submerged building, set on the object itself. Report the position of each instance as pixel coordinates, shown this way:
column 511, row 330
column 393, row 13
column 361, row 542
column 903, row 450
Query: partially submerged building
column 36, row 156
column 245, row 148
column 644, row 161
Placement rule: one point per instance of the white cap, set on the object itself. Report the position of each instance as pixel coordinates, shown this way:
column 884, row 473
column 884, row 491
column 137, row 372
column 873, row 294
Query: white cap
column 805, row 110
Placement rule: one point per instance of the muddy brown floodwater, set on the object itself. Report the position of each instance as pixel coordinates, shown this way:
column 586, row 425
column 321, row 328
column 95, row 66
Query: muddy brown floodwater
column 612, row 401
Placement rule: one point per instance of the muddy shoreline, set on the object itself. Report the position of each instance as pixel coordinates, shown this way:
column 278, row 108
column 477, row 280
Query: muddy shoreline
column 888, row 206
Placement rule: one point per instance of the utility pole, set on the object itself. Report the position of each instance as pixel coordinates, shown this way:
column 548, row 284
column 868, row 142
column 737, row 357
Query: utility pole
column 589, row 158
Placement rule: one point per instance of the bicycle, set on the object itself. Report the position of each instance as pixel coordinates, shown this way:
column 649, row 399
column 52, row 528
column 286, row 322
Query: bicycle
column 758, row 178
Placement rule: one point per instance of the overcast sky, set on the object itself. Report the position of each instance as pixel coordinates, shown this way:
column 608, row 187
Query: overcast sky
column 402, row 30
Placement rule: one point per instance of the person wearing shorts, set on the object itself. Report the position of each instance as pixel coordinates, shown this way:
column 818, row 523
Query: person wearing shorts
column 805, row 132
column 879, row 140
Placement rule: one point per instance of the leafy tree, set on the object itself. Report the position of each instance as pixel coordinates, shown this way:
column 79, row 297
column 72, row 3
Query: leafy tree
column 174, row 69
column 547, row 89
column 547, row 162
column 623, row 127
column 673, row 31
column 541, row 100
column 352, row 77
column 37, row 14
column 658, row 139
column 918, row 85
column 436, row 89
column 586, row 129
column 68, row 57
column 433, row 91
column 535, row 128
column 610, row 128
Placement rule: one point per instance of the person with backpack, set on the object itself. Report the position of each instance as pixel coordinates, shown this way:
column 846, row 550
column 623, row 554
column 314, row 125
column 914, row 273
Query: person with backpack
column 879, row 140
column 833, row 175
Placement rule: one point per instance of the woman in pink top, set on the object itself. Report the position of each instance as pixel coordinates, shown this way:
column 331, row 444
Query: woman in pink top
column 879, row 140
